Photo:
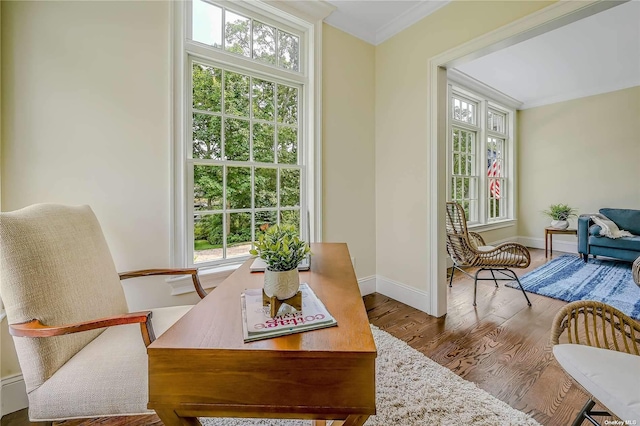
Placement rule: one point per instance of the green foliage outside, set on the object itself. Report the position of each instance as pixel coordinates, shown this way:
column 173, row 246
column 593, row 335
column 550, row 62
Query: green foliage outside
column 245, row 98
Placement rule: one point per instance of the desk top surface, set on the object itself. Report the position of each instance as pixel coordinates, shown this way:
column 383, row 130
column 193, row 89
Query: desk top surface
column 215, row 323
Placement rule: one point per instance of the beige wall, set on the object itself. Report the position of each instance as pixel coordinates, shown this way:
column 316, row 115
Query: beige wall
column 348, row 146
column 583, row 152
column 401, row 128
column 86, row 115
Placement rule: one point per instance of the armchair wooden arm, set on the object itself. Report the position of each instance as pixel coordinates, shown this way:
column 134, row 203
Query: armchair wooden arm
column 180, row 271
column 596, row 324
column 35, row 328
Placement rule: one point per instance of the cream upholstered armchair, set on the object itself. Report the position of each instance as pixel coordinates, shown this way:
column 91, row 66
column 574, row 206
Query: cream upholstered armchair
column 82, row 353
column 599, row 347
column 468, row 249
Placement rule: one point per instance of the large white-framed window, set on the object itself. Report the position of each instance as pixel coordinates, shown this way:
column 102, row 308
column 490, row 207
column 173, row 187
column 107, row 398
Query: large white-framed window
column 481, row 158
column 245, row 128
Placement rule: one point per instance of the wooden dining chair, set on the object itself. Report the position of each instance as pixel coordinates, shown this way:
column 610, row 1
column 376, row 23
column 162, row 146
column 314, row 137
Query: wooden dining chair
column 82, row 353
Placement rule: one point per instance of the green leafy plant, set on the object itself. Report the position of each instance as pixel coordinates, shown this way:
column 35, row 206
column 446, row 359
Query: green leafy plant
column 281, row 248
column 560, row 212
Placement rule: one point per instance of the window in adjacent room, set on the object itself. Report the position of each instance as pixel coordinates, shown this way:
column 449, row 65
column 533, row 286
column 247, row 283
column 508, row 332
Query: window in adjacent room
column 480, row 157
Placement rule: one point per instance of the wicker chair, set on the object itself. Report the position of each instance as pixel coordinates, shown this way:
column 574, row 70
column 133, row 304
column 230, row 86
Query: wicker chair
column 594, row 351
column 468, row 249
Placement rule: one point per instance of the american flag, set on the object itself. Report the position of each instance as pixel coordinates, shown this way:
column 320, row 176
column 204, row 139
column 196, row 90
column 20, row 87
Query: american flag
column 494, row 172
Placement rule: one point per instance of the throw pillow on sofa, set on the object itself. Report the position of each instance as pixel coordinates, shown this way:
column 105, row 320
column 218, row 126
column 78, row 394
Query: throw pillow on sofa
column 610, row 229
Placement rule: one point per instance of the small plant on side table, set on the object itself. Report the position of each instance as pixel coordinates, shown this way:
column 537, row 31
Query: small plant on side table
column 560, row 214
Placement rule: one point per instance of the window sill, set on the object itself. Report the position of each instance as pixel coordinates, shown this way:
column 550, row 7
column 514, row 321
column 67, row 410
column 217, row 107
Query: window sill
column 209, row 278
column 493, row 225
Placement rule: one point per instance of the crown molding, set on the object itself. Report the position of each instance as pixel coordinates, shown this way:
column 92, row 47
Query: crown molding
column 410, row 17
column 351, row 26
column 591, row 91
column 309, row 10
column 471, row 83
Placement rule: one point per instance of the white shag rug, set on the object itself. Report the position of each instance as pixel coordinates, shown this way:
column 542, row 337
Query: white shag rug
column 413, row 390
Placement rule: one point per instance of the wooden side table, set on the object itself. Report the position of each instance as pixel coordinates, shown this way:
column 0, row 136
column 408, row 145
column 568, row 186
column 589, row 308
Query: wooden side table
column 548, row 237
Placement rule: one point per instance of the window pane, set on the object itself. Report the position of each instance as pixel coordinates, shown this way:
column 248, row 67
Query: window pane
column 207, row 187
column 464, row 110
column 263, row 100
column 207, row 23
column 206, row 136
column 264, row 220
column 236, row 139
column 236, row 94
column 207, row 237
column 456, row 140
column 237, row 33
column 289, row 187
column 207, row 88
column 263, row 139
column 287, row 104
column 291, row 217
column 496, row 121
column 266, row 181
column 238, row 187
column 264, row 42
column 288, row 51
column 287, row 145
column 239, row 237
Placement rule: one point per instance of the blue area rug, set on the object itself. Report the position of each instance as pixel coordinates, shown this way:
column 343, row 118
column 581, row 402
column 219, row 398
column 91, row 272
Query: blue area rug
column 568, row 278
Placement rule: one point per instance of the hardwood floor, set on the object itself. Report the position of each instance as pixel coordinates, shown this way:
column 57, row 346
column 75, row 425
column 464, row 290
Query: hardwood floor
column 502, row 345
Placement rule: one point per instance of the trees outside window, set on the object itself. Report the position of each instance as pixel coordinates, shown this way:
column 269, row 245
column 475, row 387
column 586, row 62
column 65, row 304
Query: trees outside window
column 245, row 142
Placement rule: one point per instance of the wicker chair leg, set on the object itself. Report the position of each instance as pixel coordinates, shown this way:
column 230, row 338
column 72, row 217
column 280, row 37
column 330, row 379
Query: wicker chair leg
column 475, row 286
column 453, row 268
column 586, row 414
column 494, row 277
column 521, row 288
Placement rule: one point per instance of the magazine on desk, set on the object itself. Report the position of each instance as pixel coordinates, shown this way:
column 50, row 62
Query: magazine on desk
column 257, row 324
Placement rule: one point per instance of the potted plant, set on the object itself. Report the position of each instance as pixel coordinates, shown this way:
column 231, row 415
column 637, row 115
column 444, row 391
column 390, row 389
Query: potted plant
column 282, row 250
column 560, row 213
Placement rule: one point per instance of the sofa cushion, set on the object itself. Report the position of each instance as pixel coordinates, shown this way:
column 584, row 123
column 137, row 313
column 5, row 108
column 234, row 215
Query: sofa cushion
column 627, row 219
column 610, row 376
column 107, row 377
column 595, row 230
column 626, row 243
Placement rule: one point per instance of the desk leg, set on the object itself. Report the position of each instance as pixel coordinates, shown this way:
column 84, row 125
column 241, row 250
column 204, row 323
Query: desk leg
column 170, row 418
column 355, row 420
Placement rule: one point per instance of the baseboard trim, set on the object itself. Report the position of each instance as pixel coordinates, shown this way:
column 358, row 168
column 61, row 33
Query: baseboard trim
column 558, row 245
column 14, row 394
column 367, row 285
column 413, row 297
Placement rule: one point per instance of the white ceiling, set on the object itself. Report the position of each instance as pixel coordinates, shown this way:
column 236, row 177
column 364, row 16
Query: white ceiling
column 374, row 21
column 597, row 54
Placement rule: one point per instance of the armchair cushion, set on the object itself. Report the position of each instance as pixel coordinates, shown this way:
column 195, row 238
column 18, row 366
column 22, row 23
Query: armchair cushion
column 56, row 267
column 117, row 361
column 610, row 376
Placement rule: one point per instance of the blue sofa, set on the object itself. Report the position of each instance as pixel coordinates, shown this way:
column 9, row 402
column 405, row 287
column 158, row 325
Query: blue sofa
column 590, row 241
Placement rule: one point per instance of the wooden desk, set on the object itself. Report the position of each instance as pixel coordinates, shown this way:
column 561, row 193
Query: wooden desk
column 201, row 367
column 548, row 237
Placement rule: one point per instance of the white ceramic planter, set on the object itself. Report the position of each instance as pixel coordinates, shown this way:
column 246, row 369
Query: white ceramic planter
column 281, row 284
column 559, row 224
